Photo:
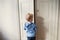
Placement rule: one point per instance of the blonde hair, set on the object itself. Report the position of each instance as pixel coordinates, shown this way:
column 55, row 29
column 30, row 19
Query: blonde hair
column 29, row 17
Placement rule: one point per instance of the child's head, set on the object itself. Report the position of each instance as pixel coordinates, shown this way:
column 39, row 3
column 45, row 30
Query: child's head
column 29, row 17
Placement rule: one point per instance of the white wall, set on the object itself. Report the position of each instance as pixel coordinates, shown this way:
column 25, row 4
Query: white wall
column 47, row 9
column 9, row 19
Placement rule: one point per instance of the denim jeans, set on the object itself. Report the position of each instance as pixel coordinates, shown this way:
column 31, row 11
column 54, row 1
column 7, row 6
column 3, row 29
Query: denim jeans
column 31, row 38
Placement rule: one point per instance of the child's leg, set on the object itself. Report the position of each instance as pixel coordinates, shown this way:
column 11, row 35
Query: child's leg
column 28, row 38
column 31, row 38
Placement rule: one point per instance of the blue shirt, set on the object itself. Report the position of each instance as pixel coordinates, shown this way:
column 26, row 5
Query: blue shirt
column 30, row 29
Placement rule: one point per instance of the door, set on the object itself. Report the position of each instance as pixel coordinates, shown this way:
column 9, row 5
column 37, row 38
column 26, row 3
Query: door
column 46, row 15
column 59, row 22
column 25, row 6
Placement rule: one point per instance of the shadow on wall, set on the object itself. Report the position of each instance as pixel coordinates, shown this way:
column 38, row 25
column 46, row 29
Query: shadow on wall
column 2, row 37
column 41, row 30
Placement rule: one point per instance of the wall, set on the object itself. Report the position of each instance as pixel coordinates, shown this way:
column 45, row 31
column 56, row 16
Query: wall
column 9, row 24
column 46, row 19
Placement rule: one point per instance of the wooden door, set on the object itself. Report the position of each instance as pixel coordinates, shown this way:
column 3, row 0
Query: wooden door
column 46, row 12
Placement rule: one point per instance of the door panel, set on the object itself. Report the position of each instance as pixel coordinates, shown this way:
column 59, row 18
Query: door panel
column 25, row 6
column 46, row 19
column 59, row 22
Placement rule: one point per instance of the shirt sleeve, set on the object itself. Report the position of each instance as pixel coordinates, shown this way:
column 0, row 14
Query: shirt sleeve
column 25, row 26
column 35, row 27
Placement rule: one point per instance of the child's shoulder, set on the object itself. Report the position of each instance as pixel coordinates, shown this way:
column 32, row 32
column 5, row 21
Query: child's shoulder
column 30, row 23
column 26, row 23
column 34, row 24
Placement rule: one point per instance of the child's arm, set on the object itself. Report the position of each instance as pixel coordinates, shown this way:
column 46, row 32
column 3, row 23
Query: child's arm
column 35, row 28
column 25, row 26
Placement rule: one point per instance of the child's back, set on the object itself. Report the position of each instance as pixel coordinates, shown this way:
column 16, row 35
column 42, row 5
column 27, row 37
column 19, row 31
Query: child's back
column 30, row 29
